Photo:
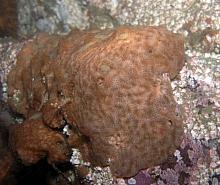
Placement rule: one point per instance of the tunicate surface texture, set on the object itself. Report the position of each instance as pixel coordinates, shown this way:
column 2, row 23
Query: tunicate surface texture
column 113, row 88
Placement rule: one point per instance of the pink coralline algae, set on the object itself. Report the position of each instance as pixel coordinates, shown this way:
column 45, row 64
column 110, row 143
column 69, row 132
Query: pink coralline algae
column 112, row 87
column 179, row 168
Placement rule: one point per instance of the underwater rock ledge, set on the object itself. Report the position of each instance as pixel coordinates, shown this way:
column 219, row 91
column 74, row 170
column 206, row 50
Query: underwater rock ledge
column 111, row 87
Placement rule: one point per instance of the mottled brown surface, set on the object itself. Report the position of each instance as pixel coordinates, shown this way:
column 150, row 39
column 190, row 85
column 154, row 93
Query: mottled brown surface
column 33, row 141
column 6, row 163
column 112, row 87
column 8, row 18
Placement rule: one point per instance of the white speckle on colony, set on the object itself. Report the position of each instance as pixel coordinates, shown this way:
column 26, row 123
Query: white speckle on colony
column 131, row 181
column 66, row 130
column 75, row 157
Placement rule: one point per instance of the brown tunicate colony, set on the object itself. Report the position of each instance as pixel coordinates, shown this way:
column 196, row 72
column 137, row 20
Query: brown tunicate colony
column 112, row 87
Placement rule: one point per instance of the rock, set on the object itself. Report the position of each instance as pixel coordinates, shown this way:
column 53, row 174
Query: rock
column 112, row 87
column 8, row 18
column 6, row 159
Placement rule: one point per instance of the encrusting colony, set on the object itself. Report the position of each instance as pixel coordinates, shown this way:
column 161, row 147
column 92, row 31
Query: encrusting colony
column 111, row 87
